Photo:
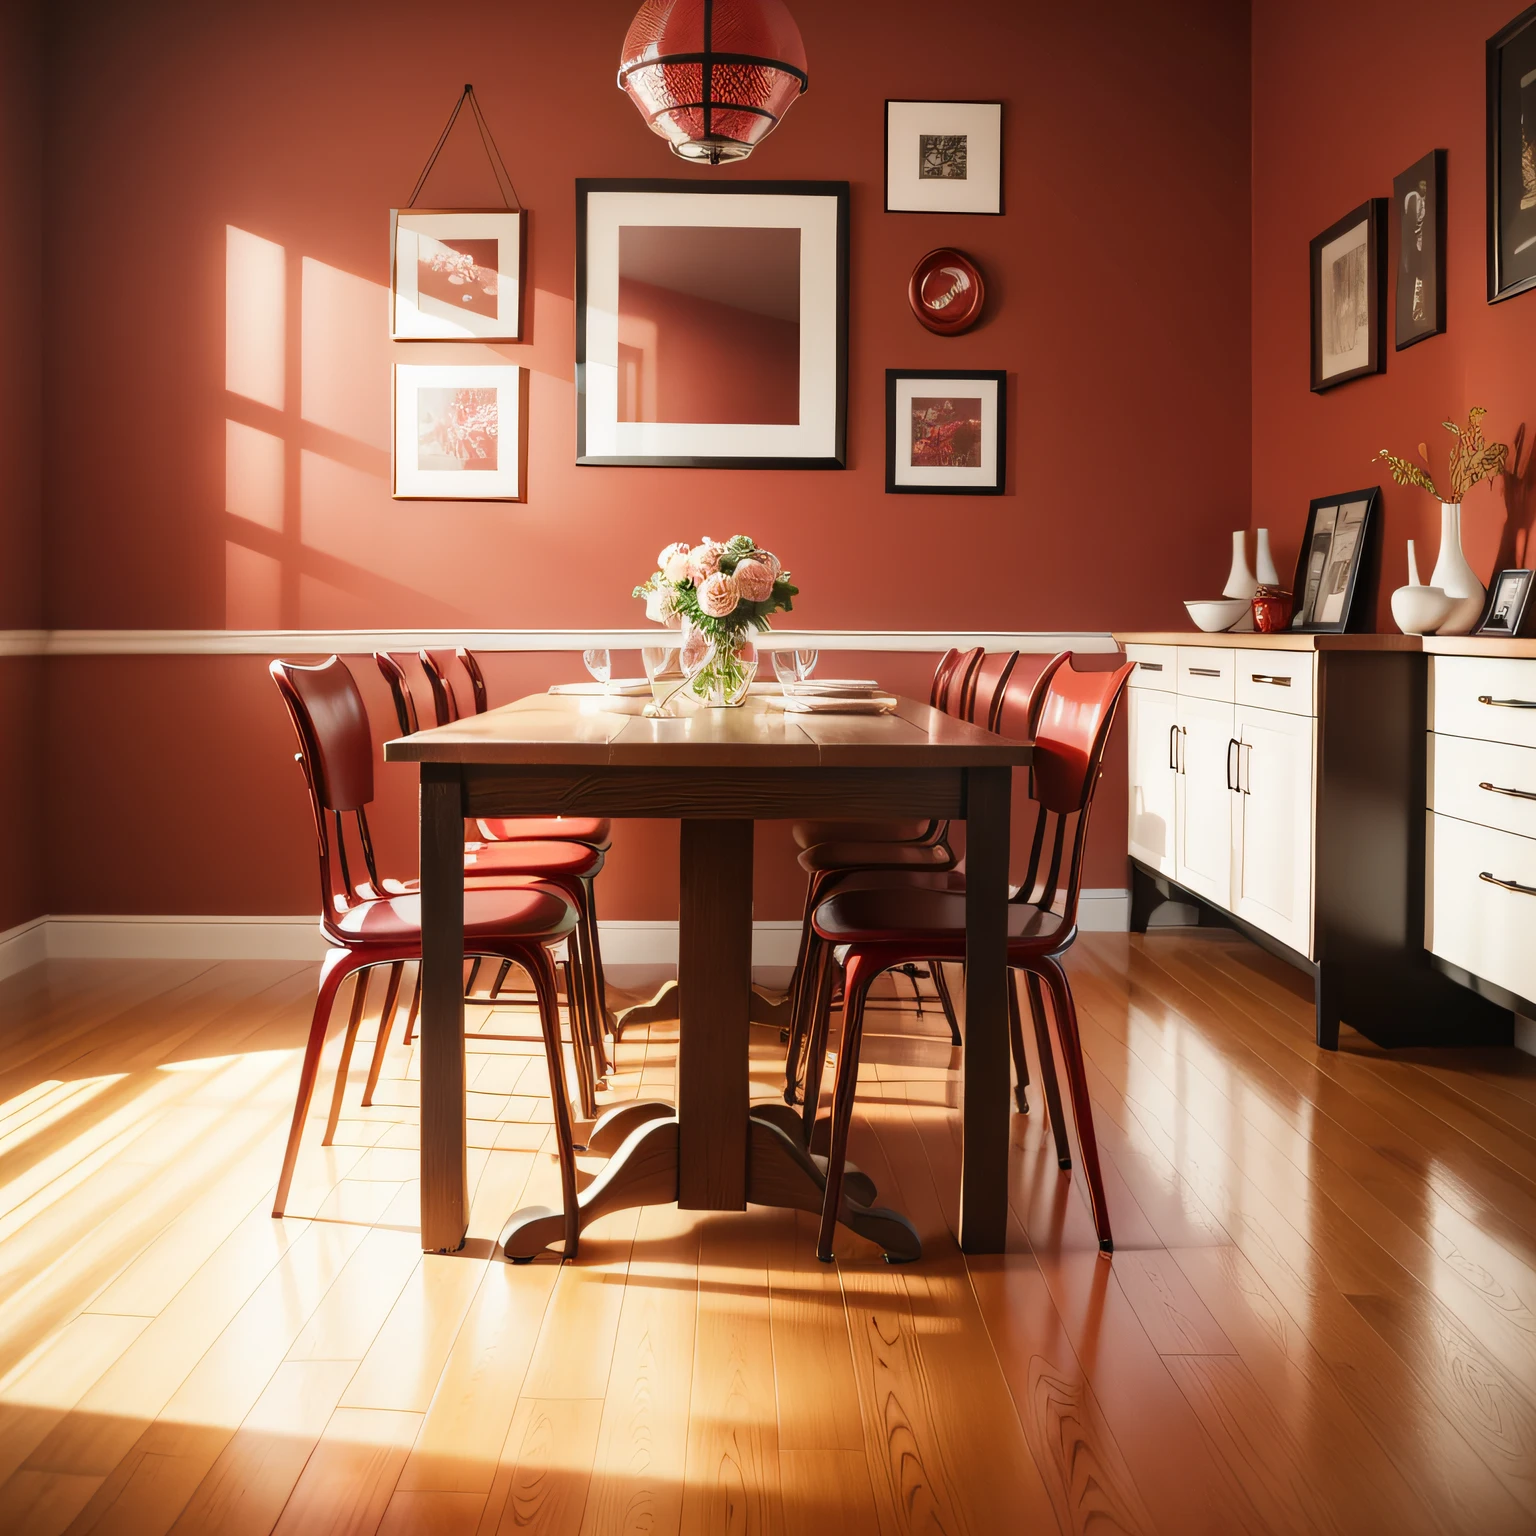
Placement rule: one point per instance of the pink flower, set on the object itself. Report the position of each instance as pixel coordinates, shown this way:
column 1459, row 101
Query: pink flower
column 718, row 596
column 754, row 581
column 673, row 561
column 771, row 561
column 703, row 562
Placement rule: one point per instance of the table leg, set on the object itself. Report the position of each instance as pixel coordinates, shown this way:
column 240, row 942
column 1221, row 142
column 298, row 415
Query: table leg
column 984, row 1063
column 714, row 986
column 444, row 1170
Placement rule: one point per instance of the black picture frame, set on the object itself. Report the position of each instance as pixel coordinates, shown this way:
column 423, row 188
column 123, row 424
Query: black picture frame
column 1418, row 212
column 893, row 420
column 1514, row 588
column 1511, row 213
column 839, row 193
column 1372, row 215
column 1315, row 560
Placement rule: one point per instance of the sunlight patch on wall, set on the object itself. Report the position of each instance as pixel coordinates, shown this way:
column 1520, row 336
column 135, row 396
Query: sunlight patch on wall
column 253, row 589
column 253, row 475
column 347, row 354
column 255, row 307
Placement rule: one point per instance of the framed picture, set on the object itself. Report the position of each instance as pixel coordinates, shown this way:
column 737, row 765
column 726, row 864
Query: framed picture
column 1349, row 297
column 1507, row 601
column 1512, row 158
column 1418, row 205
column 943, row 157
column 946, row 433
column 456, row 275
column 1332, row 555
column 460, row 432
column 712, row 323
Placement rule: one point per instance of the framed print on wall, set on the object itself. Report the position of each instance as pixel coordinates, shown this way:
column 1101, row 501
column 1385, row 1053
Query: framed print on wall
column 1418, row 205
column 1349, row 293
column 456, row 275
column 1512, row 158
column 712, row 323
column 943, row 157
column 1333, row 553
column 946, row 433
column 460, row 432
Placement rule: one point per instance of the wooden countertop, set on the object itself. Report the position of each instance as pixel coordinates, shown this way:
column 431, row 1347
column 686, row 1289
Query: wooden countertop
column 1285, row 641
column 1478, row 645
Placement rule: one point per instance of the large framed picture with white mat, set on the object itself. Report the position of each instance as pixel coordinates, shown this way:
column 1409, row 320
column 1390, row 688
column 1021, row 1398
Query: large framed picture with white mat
column 712, row 324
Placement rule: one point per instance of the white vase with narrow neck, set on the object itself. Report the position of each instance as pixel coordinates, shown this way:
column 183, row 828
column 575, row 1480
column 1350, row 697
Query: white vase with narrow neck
column 1455, row 577
column 1240, row 582
column 1264, row 562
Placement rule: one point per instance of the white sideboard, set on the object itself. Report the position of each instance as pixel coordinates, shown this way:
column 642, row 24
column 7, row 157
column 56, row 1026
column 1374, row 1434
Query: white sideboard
column 1279, row 780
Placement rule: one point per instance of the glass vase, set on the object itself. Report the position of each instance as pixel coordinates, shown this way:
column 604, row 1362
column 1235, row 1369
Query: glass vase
column 720, row 669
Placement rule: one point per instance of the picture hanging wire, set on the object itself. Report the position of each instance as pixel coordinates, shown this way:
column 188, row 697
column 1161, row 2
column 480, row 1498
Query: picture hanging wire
column 498, row 165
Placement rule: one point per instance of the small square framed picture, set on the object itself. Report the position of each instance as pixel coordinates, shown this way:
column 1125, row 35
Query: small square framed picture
column 1349, row 297
column 1508, row 599
column 460, row 432
column 943, row 157
column 946, row 433
column 456, row 274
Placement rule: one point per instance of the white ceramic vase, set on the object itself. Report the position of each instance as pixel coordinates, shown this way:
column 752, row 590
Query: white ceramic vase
column 1264, row 562
column 1455, row 577
column 1240, row 580
column 1417, row 609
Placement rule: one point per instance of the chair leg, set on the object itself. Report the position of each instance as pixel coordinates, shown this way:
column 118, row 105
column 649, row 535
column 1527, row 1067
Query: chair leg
column 359, row 1001
column 941, row 986
column 501, row 976
column 816, row 1039
column 1048, row 1071
column 1077, row 1085
column 331, row 979
column 599, row 979
column 576, row 1010
column 386, row 1023
column 597, row 1014
column 413, row 1010
column 541, row 970
column 802, row 989
column 474, row 971
column 855, row 986
column 1016, row 1046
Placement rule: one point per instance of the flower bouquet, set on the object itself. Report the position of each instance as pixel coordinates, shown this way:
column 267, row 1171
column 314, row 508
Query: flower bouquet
column 721, row 596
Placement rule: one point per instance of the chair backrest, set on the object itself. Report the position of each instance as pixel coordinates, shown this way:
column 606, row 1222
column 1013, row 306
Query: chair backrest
column 400, row 692
column 336, row 756
column 987, row 687
column 1072, row 725
column 1022, row 698
column 471, row 665
column 958, row 694
column 941, row 677
column 438, row 665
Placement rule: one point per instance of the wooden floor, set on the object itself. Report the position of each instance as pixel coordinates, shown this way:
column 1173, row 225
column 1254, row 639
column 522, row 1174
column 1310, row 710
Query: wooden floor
column 1320, row 1315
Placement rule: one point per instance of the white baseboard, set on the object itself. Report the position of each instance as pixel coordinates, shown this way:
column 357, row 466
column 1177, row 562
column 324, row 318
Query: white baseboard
column 23, row 946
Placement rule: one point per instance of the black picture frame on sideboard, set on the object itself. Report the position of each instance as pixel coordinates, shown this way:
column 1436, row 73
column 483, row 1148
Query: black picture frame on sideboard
column 1337, row 548
column 1512, row 158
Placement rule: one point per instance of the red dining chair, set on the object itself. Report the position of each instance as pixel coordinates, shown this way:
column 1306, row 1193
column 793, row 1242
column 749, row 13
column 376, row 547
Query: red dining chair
column 573, row 866
column 890, row 927
column 833, row 865
column 367, row 928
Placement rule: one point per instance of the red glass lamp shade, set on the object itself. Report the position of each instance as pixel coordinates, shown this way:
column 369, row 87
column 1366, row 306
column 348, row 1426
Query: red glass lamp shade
column 713, row 77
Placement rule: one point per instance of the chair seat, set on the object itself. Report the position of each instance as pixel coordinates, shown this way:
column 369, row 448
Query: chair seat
column 488, row 914
column 483, row 861
column 825, row 857
column 596, row 830
column 913, row 916
column 809, row 833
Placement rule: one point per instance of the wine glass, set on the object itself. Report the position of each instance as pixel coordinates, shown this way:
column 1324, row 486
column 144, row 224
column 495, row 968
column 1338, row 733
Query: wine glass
column 599, row 663
column 664, row 672
column 784, row 666
column 805, row 664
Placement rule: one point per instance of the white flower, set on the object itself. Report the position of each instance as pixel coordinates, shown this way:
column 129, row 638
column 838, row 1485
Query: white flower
column 661, row 606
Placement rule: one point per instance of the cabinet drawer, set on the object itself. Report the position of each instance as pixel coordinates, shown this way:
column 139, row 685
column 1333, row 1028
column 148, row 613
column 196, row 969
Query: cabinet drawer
column 1207, row 673
column 1490, row 697
column 1283, row 680
column 1488, row 782
column 1485, row 928
column 1157, row 666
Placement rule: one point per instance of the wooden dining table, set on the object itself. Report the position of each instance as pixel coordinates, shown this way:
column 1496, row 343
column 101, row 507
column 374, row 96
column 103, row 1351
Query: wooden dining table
column 716, row 771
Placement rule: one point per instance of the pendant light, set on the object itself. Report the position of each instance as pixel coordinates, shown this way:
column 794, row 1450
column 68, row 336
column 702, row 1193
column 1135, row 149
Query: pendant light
column 713, row 77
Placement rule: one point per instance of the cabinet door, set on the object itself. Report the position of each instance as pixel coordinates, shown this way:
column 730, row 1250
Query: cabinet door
column 1152, row 720
column 1203, row 821
column 1272, row 871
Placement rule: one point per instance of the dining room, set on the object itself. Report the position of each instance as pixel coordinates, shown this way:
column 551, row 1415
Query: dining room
column 709, row 823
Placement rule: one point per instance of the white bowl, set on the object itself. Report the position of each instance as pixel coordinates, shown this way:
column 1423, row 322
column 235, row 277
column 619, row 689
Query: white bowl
column 1213, row 614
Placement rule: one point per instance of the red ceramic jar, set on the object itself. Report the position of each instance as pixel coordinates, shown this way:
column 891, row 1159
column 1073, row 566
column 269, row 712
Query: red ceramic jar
column 1271, row 610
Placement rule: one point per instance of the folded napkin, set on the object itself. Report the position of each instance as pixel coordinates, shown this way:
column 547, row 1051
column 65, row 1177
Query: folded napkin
column 834, row 704
column 828, row 686
column 620, row 687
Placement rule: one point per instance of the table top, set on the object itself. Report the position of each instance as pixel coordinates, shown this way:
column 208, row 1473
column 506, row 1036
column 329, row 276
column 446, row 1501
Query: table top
column 586, row 731
column 1285, row 640
column 1479, row 645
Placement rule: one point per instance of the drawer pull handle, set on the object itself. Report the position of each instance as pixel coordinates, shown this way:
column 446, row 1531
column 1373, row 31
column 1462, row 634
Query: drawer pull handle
column 1232, row 746
column 1264, row 677
column 1483, row 698
column 1150, row 666
column 1216, row 672
column 1518, row 794
column 1508, row 885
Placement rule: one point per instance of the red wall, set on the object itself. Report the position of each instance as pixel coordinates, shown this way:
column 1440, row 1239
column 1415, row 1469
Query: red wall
column 1345, row 97
column 21, row 460
column 1118, row 299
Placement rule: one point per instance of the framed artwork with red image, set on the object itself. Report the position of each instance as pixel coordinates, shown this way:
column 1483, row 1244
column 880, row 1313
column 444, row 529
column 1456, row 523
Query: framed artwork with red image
column 456, row 274
column 946, row 433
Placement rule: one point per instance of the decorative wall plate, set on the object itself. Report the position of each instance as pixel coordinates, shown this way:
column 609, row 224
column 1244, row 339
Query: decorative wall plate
column 946, row 292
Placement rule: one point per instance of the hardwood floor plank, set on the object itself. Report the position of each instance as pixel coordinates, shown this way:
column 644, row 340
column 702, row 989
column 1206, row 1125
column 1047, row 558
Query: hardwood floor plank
column 348, row 1481
column 827, row 1491
column 546, row 1473
column 433, row 1513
